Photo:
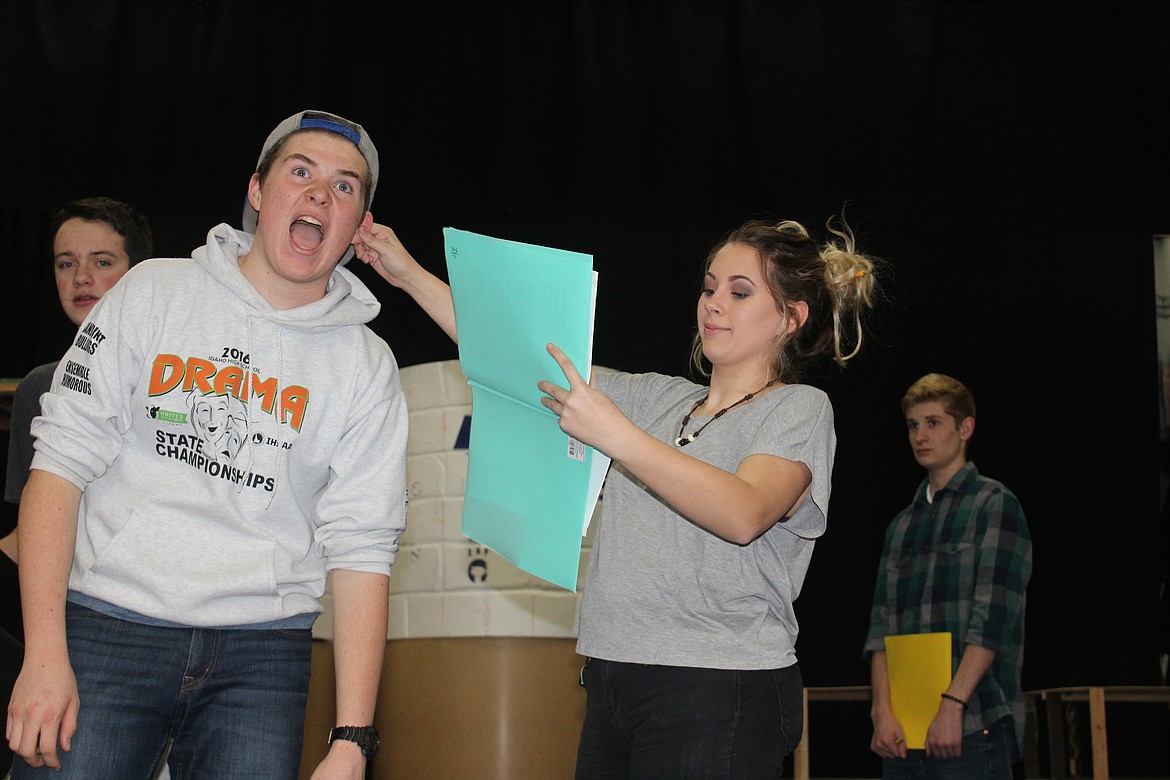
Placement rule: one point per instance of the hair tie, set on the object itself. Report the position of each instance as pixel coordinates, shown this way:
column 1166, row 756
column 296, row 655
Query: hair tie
column 858, row 274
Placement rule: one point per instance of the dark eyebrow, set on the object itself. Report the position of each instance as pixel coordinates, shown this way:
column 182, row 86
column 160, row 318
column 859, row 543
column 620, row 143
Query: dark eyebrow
column 301, row 157
column 90, row 253
column 345, row 172
column 737, row 277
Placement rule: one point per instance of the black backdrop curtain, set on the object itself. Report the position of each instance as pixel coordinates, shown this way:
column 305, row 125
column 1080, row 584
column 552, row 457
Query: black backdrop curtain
column 1007, row 160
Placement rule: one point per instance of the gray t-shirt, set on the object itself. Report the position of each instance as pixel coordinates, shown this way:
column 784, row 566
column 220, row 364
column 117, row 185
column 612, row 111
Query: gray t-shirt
column 26, row 404
column 660, row 589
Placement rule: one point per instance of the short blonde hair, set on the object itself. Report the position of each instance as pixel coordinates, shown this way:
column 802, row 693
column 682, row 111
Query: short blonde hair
column 954, row 396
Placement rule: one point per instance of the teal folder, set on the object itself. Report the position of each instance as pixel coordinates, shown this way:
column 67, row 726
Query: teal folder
column 531, row 488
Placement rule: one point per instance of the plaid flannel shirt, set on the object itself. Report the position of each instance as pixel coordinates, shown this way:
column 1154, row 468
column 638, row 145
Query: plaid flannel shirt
column 961, row 564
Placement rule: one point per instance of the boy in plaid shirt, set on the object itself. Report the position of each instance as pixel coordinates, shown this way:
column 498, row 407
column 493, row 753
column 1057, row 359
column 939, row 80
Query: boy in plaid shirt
column 958, row 560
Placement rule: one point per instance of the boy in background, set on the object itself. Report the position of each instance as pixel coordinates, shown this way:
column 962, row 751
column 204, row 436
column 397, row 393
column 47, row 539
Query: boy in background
column 956, row 560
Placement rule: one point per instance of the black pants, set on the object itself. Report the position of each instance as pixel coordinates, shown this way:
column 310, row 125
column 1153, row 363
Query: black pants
column 679, row 722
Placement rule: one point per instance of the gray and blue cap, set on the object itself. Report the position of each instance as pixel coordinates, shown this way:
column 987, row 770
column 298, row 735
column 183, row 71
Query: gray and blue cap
column 318, row 120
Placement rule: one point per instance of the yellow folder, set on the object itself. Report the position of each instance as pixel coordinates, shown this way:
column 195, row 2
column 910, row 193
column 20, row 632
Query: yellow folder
column 919, row 670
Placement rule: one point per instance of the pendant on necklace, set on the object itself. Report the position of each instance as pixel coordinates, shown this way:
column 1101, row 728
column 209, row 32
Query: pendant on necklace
column 683, row 441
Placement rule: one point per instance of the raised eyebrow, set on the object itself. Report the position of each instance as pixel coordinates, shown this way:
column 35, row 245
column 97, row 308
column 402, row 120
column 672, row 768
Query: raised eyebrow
column 310, row 161
column 91, row 253
column 298, row 156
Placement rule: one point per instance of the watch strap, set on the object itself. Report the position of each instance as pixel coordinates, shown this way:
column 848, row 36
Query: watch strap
column 366, row 738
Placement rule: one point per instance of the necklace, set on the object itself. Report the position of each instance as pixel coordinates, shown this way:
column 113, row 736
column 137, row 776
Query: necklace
column 683, row 441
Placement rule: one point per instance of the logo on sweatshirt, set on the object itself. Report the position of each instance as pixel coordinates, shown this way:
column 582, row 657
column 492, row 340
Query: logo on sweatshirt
column 219, row 432
column 191, row 449
column 204, row 378
column 89, row 338
column 220, row 422
column 76, row 378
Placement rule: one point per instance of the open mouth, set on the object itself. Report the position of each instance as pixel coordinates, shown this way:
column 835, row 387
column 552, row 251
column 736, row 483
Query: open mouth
column 306, row 234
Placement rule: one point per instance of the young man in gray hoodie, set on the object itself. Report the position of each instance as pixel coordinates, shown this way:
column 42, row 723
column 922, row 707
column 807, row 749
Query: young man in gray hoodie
column 224, row 433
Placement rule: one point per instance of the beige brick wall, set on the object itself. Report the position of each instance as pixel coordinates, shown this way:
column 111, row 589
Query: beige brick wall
column 443, row 584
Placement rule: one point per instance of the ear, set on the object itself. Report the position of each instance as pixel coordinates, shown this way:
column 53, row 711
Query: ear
column 966, row 428
column 367, row 223
column 254, row 191
column 797, row 315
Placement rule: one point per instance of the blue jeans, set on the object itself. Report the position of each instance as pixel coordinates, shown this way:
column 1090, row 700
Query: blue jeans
column 233, row 701
column 986, row 755
column 679, row 722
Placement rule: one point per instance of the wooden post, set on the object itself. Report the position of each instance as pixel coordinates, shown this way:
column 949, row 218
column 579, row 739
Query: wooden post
column 1097, row 727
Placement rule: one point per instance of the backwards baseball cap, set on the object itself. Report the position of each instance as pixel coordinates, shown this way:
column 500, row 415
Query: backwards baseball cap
column 317, row 120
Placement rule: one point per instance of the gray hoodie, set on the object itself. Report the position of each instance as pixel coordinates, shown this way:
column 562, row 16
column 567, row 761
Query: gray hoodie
column 230, row 454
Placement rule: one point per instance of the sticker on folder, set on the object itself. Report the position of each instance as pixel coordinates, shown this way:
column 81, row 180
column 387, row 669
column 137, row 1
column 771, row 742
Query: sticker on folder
column 919, row 670
column 531, row 488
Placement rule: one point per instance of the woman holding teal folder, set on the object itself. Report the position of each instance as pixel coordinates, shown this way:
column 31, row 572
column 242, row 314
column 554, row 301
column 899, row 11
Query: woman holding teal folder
column 717, row 494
